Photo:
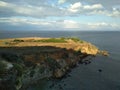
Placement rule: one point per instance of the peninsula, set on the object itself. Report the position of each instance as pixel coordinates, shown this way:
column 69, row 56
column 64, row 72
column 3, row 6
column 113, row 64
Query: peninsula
column 23, row 60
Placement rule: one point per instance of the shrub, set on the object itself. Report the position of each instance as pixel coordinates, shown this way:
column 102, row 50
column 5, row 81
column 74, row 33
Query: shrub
column 77, row 53
column 54, row 40
column 62, row 38
column 18, row 40
column 75, row 39
column 41, row 69
column 19, row 69
column 2, row 67
column 6, row 43
column 11, row 57
column 32, row 73
column 53, row 64
column 29, row 63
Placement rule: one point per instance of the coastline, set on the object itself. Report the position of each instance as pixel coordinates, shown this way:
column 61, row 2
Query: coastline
column 50, row 60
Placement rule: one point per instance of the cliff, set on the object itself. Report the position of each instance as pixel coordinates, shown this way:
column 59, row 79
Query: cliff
column 30, row 59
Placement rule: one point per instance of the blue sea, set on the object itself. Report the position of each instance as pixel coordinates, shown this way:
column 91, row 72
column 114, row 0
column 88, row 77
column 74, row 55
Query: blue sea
column 85, row 77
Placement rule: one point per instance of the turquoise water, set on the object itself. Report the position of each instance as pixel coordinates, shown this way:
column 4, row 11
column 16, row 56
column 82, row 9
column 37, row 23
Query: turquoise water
column 85, row 77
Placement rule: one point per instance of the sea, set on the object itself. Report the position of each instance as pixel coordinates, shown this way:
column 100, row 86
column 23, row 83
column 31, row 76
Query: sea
column 103, row 73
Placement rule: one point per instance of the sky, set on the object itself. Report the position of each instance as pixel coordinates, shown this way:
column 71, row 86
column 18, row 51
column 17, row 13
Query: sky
column 79, row 15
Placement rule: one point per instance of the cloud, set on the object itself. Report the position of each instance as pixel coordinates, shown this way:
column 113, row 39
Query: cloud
column 108, row 4
column 40, row 23
column 45, row 10
column 93, row 7
column 78, row 6
column 70, row 24
column 104, row 25
column 98, row 25
column 61, row 1
column 2, row 4
column 75, row 7
column 57, row 24
column 113, row 13
column 21, row 21
column 8, row 9
column 60, row 14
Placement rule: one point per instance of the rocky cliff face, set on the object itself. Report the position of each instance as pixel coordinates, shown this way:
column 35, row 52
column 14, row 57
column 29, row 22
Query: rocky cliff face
column 18, row 68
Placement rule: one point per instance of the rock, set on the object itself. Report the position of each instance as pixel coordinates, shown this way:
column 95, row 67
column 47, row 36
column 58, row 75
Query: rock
column 105, row 53
column 69, row 75
column 89, row 49
column 100, row 70
column 60, row 87
column 51, row 86
column 64, row 84
column 58, row 73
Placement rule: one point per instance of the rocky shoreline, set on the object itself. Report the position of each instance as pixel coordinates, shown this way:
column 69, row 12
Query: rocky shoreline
column 22, row 66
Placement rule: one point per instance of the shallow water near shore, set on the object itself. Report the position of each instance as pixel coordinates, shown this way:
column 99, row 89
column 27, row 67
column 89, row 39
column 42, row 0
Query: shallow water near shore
column 101, row 74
